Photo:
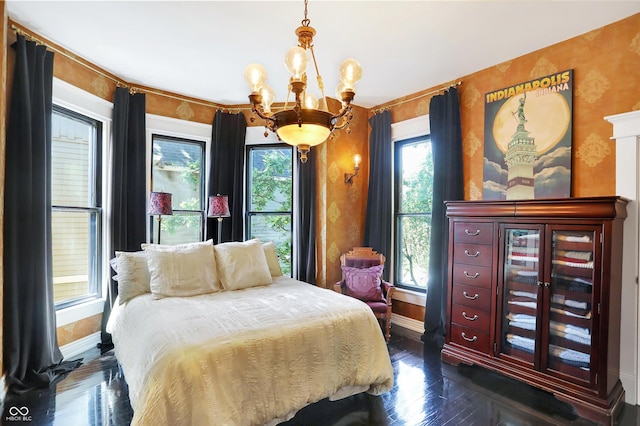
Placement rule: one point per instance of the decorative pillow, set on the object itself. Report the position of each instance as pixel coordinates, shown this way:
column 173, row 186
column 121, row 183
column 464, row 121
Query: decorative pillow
column 133, row 274
column 182, row 270
column 364, row 283
column 242, row 265
column 272, row 259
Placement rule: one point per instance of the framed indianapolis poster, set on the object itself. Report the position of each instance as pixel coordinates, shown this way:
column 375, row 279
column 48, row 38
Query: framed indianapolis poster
column 527, row 139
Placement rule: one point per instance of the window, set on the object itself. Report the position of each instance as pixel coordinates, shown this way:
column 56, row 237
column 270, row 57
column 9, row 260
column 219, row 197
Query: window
column 76, row 198
column 176, row 168
column 270, row 198
column 413, row 189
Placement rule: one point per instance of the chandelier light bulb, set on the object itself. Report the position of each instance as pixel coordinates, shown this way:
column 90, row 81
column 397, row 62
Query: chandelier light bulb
column 268, row 96
column 256, row 76
column 311, row 101
column 296, row 61
column 350, row 72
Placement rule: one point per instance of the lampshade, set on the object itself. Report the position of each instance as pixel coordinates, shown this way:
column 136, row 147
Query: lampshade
column 160, row 203
column 218, row 206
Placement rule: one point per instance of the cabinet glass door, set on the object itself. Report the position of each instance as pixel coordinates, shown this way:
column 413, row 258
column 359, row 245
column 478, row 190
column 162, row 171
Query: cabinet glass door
column 571, row 302
column 520, row 299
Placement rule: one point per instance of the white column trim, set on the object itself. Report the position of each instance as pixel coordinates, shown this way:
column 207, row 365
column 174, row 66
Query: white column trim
column 626, row 134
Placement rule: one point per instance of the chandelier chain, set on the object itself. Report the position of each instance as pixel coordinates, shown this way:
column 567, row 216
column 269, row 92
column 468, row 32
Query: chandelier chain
column 306, row 21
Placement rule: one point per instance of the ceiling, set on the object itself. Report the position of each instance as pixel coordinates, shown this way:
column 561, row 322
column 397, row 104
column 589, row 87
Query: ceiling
column 200, row 48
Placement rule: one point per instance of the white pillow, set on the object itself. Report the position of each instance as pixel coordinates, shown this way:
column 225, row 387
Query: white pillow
column 133, row 274
column 182, row 270
column 242, row 265
column 272, row 259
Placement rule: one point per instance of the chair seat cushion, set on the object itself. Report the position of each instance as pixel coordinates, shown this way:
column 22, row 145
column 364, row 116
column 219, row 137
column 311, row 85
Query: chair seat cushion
column 364, row 283
column 378, row 307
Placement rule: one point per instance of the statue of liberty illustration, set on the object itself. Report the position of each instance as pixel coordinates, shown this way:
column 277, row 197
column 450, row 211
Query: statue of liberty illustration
column 520, row 156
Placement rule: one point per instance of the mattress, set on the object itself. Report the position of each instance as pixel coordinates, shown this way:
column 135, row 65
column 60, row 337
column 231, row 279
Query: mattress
column 246, row 357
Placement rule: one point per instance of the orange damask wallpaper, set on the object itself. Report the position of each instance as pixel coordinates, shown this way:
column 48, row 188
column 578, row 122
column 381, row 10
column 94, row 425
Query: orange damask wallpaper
column 606, row 65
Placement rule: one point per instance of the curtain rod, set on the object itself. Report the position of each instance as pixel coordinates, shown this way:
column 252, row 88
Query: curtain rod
column 388, row 107
column 132, row 89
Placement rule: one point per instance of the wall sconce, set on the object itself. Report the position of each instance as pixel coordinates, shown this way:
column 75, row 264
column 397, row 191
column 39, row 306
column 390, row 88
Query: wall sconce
column 348, row 177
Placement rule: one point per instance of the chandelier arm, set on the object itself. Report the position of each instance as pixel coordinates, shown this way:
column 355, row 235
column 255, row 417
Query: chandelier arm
column 342, row 126
column 342, row 112
column 263, row 116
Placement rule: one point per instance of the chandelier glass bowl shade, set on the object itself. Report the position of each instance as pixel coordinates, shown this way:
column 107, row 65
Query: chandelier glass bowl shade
column 308, row 122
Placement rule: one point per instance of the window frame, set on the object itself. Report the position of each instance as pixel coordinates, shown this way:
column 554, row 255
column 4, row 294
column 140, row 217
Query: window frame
column 75, row 99
column 180, row 129
column 248, row 214
column 95, row 210
column 203, row 182
column 401, row 130
column 398, row 145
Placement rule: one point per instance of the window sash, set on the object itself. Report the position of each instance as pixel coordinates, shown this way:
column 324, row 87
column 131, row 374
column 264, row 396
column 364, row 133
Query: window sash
column 284, row 244
column 403, row 273
column 182, row 230
column 77, row 246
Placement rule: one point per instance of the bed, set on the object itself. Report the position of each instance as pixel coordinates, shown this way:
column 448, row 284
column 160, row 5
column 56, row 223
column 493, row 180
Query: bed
column 244, row 356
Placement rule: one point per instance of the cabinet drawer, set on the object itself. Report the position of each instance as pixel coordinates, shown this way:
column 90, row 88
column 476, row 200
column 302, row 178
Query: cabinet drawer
column 473, row 254
column 470, row 317
column 470, row 338
column 473, row 232
column 473, row 297
column 472, row 275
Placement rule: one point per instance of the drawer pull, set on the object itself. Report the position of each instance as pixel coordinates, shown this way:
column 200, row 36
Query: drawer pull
column 476, row 254
column 472, row 234
column 473, row 277
column 467, row 317
column 472, row 339
column 474, row 297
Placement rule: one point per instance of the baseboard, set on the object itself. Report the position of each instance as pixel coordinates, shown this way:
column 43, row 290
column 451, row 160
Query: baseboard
column 408, row 323
column 81, row 345
column 629, row 384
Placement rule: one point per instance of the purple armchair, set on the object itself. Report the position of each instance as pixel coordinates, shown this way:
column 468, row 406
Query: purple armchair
column 362, row 258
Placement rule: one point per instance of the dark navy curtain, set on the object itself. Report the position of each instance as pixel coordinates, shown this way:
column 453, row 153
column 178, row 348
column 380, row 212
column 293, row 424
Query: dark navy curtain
column 226, row 173
column 128, row 185
column 31, row 354
column 446, row 146
column 305, row 219
column 379, row 218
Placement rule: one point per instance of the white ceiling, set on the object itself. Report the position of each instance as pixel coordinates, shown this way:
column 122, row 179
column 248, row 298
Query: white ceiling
column 200, row 48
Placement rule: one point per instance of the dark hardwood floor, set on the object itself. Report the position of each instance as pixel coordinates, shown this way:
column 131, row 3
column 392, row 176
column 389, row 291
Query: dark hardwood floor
column 426, row 392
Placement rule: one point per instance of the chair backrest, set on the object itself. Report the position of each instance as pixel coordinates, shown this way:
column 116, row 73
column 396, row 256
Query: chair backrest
column 362, row 257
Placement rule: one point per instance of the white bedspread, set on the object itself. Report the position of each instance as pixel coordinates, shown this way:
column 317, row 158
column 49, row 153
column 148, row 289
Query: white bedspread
column 246, row 357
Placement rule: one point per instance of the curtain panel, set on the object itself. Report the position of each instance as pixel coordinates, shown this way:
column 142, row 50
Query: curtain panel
column 226, row 173
column 446, row 147
column 379, row 217
column 128, row 186
column 305, row 220
column 32, row 357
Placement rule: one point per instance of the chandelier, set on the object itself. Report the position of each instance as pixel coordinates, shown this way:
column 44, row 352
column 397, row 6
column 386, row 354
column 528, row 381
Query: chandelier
column 308, row 122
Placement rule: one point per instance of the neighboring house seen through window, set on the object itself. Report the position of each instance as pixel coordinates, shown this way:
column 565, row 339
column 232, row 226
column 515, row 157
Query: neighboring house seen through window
column 413, row 190
column 77, row 215
column 176, row 168
column 269, row 205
